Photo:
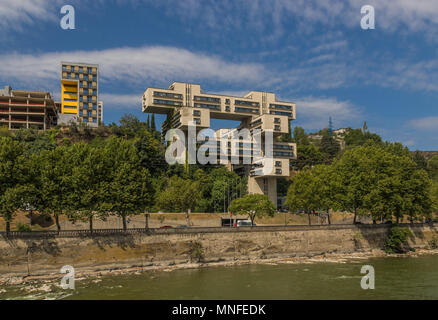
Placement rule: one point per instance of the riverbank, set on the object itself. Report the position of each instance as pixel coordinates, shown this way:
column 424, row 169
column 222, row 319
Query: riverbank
column 34, row 259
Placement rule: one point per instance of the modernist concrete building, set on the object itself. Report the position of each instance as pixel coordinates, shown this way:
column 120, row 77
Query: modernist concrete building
column 80, row 93
column 185, row 102
column 21, row 109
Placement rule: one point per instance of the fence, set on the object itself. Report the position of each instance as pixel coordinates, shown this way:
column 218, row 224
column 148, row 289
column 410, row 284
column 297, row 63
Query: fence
column 192, row 230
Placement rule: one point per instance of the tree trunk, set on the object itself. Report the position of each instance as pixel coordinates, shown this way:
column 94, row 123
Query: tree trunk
column 374, row 221
column 355, row 215
column 8, row 227
column 328, row 218
column 124, row 222
column 58, row 226
column 252, row 220
column 91, row 224
column 397, row 219
column 310, row 222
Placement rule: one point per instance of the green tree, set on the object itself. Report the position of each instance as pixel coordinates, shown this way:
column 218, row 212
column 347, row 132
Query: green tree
column 420, row 160
column 11, row 177
column 432, row 167
column 307, row 157
column 330, row 147
column 129, row 188
column 358, row 175
column 358, row 137
column 88, row 181
column 10, row 201
column 180, row 195
column 153, row 126
column 53, row 181
column 302, row 193
column 300, row 136
column 253, row 205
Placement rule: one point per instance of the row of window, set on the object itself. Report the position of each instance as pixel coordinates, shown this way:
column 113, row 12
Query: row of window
column 168, row 102
column 246, row 103
column 79, row 69
column 72, row 75
column 167, row 95
column 280, row 106
column 207, row 106
column 209, row 99
column 283, row 146
column 238, row 109
column 281, row 113
column 88, row 120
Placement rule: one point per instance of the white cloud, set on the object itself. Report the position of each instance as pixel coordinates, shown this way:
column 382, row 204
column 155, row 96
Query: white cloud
column 128, row 66
column 313, row 113
column 17, row 13
column 121, row 101
column 425, row 124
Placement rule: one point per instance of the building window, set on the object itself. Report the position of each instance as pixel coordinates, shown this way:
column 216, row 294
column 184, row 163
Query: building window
column 280, row 106
column 207, row 99
column 207, row 106
column 246, row 103
column 277, row 171
column 278, row 163
column 247, row 110
column 277, row 127
column 277, row 120
column 196, row 112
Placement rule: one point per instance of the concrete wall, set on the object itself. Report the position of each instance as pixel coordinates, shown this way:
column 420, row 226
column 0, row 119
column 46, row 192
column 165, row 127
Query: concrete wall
column 37, row 256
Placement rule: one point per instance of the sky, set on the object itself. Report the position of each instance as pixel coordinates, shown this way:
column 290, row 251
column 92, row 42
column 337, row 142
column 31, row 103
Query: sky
column 311, row 52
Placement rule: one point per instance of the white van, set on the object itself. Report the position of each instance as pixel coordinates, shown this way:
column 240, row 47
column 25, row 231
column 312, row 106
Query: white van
column 244, row 223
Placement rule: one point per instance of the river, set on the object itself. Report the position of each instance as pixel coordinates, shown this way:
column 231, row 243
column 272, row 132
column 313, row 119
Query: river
column 395, row 278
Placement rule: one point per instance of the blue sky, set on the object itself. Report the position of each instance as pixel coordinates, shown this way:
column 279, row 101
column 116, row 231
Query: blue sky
column 312, row 52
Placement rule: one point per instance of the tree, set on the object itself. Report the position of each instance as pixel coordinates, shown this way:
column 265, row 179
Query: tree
column 148, row 126
column 432, row 167
column 180, row 195
column 53, row 181
column 420, row 160
column 358, row 137
column 330, row 147
column 401, row 189
column 153, row 126
column 300, row 137
column 89, row 179
column 358, row 176
column 253, row 205
column 302, row 193
column 327, row 188
column 11, row 177
column 128, row 189
column 307, row 157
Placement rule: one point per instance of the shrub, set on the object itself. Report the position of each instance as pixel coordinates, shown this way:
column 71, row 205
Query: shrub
column 23, row 227
column 433, row 244
column 397, row 240
column 196, row 251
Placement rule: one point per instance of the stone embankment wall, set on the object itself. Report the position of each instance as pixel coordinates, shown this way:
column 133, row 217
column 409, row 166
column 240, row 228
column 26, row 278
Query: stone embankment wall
column 21, row 256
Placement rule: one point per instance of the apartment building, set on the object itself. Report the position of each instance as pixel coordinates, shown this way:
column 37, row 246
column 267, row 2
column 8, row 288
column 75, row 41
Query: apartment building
column 23, row 109
column 259, row 112
column 79, row 93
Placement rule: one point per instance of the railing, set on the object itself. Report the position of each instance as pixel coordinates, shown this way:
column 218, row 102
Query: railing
column 194, row 230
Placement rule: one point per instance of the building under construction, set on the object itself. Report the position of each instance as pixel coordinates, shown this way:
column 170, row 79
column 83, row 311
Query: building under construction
column 21, row 109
